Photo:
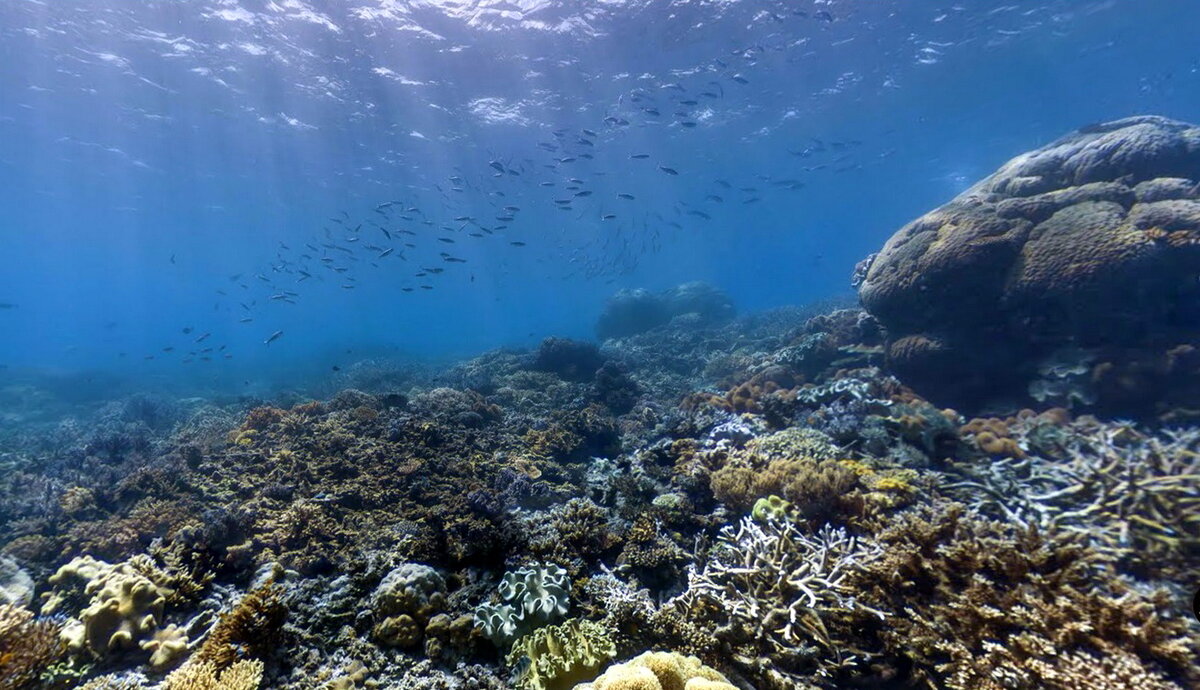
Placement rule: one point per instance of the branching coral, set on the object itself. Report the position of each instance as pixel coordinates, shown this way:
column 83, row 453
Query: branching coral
column 576, row 533
column 778, row 597
column 1135, row 496
column 205, row 675
column 983, row 604
column 27, row 647
column 637, row 621
column 251, row 630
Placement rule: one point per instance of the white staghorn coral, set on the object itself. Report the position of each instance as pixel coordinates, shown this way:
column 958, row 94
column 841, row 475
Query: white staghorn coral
column 776, row 588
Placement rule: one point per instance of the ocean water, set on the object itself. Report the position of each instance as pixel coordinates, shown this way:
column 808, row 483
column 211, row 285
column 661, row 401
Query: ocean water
column 212, row 133
column 214, row 211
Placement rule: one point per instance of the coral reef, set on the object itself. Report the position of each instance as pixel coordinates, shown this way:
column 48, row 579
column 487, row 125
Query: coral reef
column 570, row 360
column 753, row 499
column 980, row 293
column 630, row 312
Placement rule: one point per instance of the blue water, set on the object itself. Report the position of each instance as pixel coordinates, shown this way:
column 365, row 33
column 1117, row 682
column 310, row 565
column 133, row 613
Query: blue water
column 150, row 151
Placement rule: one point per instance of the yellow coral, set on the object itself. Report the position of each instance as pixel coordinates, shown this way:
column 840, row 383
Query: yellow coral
column 202, row 675
column 659, row 671
column 857, row 467
column 125, row 608
column 894, row 484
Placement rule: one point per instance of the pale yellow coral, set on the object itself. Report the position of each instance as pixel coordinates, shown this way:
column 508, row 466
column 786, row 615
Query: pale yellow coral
column 659, row 671
column 124, row 609
column 166, row 647
column 202, row 675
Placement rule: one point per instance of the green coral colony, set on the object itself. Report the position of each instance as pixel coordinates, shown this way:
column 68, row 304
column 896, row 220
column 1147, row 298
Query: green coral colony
column 701, row 503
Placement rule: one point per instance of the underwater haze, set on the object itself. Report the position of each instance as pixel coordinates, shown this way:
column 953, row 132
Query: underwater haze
column 165, row 163
column 599, row 345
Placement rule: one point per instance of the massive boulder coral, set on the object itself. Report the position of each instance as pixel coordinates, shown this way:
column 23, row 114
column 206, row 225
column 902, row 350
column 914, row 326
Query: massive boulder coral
column 405, row 600
column 1090, row 242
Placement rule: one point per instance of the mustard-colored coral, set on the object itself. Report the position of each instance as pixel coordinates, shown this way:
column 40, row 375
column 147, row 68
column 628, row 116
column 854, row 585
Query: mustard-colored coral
column 659, row 671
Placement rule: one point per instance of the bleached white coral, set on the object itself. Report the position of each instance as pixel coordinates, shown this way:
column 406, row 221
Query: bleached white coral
column 778, row 586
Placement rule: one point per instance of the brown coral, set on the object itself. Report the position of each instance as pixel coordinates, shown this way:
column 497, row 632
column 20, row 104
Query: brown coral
column 1001, row 601
column 250, row 631
column 27, row 647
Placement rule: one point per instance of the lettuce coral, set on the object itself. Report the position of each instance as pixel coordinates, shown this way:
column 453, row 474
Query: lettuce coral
column 530, row 597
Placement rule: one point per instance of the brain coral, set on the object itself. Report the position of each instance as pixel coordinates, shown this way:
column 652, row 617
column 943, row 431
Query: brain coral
column 1092, row 241
column 659, row 671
